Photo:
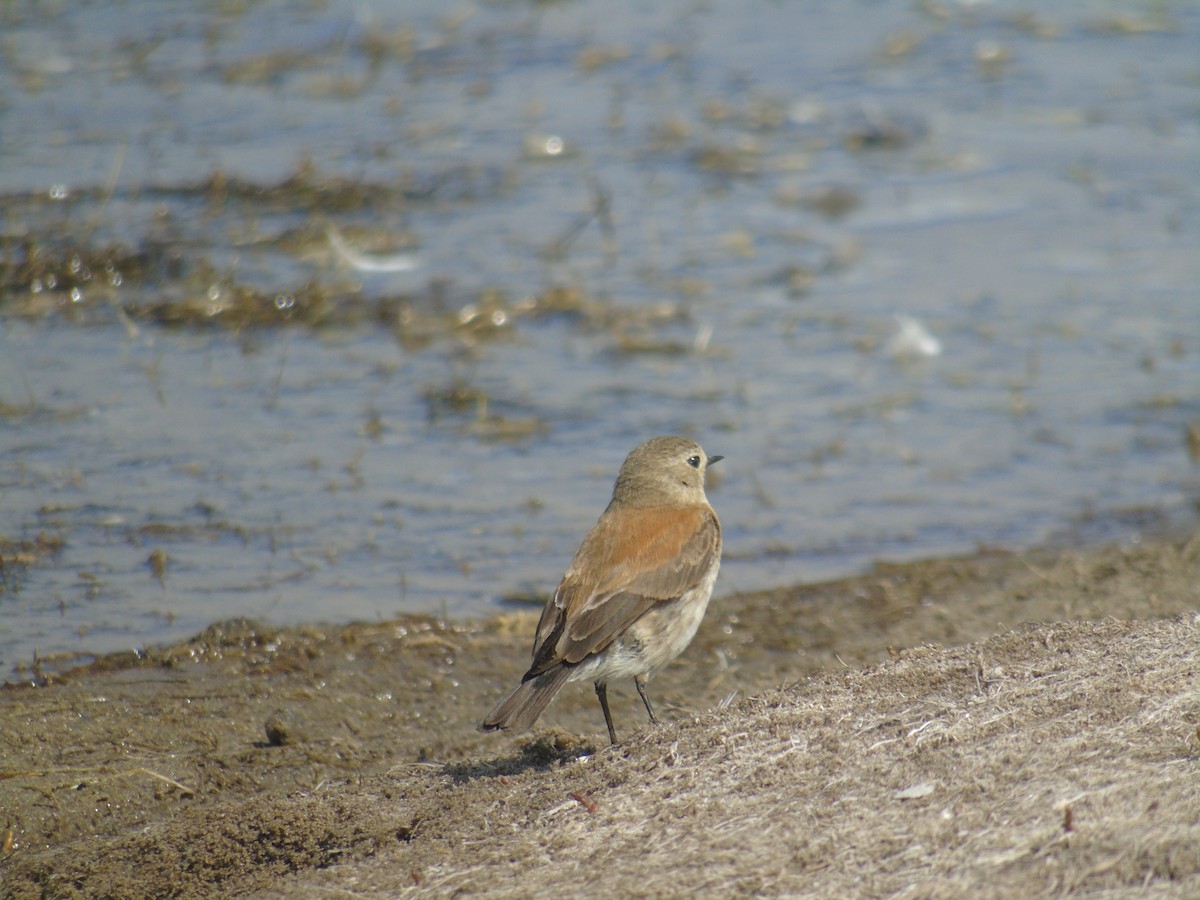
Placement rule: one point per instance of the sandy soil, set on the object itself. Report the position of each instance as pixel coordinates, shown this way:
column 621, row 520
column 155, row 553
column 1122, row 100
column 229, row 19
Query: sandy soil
column 900, row 733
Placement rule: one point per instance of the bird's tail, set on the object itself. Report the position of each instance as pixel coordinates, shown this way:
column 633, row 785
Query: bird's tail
column 522, row 705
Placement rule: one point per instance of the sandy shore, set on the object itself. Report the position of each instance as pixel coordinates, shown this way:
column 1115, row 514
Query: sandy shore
column 995, row 725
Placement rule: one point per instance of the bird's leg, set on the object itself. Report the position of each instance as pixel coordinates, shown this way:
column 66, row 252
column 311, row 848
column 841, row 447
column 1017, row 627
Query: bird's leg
column 640, row 681
column 602, row 693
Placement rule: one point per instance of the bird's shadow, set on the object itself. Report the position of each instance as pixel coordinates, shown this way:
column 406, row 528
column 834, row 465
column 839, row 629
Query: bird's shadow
column 540, row 754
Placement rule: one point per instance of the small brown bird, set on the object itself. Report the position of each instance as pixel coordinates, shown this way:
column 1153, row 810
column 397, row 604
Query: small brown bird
column 635, row 593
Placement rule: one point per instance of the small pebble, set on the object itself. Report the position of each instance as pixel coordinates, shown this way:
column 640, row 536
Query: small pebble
column 281, row 729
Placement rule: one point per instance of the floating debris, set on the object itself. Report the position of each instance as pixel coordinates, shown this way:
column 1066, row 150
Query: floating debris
column 545, row 146
column 590, row 59
column 1128, row 23
column 364, row 262
column 883, row 131
column 900, row 45
column 742, row 158
column 17, row 555
column 157, row 562
column 1192, row 441
column 992, row 57
column 912, row 340
column 832, row 201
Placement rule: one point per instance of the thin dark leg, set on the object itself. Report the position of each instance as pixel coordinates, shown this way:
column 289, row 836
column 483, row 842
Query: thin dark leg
column 602, row 693
column 641, row 686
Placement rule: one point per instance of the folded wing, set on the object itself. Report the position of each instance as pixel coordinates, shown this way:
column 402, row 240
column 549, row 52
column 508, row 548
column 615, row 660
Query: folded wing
column 631, row 560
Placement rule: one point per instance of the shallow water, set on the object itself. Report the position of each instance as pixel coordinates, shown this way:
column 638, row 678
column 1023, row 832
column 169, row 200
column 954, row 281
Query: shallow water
column 1022, row 185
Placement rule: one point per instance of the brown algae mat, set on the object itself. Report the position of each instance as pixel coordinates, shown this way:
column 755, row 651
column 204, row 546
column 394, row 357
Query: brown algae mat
column 996, row 725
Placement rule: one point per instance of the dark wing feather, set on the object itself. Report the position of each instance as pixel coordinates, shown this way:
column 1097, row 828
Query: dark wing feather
column 631, row 560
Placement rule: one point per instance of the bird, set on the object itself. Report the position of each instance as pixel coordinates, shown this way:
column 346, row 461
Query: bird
column 635, row 592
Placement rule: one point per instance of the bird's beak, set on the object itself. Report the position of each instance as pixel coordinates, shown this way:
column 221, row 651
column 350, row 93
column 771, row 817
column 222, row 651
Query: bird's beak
column 714, row 459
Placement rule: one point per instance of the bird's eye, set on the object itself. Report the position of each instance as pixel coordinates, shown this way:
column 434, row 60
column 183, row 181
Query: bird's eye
column 694, row 462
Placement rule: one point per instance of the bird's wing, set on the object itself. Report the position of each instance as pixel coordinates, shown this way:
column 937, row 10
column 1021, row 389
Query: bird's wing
column 631, row 560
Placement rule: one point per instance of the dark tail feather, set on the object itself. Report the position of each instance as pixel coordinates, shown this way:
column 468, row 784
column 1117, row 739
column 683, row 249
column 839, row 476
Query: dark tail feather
column 522, row 705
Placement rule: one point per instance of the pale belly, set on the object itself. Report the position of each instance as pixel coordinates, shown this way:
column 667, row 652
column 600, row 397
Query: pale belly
column 653, row 640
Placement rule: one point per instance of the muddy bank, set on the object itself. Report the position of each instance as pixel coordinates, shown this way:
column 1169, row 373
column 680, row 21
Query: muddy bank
column 897, row 732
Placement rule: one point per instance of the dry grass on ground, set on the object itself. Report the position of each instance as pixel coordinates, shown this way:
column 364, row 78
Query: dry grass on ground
column 1052, row 759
